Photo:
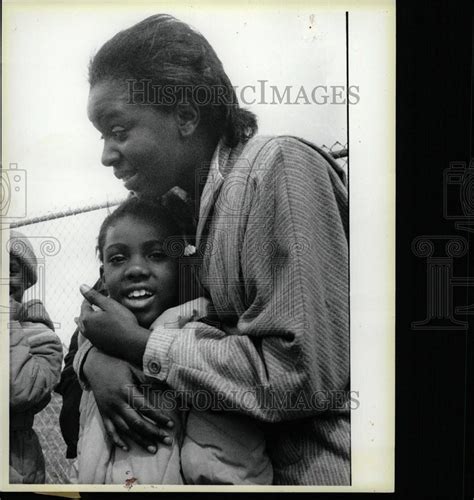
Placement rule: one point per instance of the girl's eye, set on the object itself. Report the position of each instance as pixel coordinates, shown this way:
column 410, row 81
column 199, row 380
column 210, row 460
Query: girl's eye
column 117, row 259
column 157, row 255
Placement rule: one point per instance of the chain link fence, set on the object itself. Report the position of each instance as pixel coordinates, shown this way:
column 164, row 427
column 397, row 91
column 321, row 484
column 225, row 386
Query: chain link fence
column 46, row 425
column 65, row 245
column 339, row 152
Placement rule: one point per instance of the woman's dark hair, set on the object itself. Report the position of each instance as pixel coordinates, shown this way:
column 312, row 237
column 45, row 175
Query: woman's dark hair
column 167, row 62
column 147, row 211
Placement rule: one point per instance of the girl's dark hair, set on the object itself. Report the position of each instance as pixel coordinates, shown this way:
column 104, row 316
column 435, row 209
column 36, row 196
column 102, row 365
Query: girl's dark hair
column 147, row 211
column 167, row 62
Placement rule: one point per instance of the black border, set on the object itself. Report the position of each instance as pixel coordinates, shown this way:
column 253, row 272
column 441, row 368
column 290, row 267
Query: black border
column 435, row 391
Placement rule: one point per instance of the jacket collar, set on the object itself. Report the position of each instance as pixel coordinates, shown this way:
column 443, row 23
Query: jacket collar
column 215, row 179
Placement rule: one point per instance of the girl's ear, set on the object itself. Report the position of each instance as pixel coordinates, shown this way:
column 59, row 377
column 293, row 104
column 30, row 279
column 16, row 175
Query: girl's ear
column 188, row 118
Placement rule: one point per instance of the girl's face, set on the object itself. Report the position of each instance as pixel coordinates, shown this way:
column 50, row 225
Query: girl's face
column 136, row 271
column 142, row 144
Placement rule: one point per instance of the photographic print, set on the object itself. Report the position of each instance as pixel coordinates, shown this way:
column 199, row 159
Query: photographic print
column 197, row 213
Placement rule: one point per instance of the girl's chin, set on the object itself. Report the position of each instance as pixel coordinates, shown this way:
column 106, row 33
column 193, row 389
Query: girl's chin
column 144, row 320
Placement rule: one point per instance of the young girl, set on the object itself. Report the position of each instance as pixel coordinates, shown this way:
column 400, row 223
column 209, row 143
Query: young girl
column 205, row 447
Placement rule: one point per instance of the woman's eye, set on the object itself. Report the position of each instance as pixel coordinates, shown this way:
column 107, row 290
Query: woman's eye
column 119, row 133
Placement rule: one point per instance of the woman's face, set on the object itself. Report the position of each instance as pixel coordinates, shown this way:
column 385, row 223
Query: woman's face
column 142, row 144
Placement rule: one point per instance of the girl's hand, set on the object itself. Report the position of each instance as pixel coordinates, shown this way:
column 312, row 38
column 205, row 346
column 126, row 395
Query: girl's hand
column 122, row 405
column 112, row 328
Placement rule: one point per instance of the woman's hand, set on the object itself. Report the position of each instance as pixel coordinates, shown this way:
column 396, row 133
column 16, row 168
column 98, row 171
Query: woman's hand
column 178, row 316
column 122, row 406
column 112, row 328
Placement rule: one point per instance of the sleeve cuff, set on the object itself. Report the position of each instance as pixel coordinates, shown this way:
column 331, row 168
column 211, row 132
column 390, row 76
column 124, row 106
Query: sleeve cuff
column 157, row 359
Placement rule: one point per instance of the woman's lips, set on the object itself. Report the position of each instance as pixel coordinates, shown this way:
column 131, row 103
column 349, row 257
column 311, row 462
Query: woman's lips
column 129, row 178
column 131, row 182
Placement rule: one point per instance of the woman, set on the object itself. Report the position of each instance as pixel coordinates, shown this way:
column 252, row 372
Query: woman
column 272, row 231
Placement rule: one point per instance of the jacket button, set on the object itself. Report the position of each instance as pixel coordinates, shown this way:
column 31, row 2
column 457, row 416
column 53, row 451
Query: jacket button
column 154, row 367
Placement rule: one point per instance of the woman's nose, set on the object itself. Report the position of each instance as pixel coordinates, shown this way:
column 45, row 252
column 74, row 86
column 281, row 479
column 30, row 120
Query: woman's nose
column 110, row 154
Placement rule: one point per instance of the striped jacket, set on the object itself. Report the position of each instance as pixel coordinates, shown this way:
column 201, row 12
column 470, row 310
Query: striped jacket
column 272, row 233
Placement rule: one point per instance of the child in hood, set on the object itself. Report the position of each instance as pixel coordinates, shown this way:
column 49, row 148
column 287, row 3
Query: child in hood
column 35, row 364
